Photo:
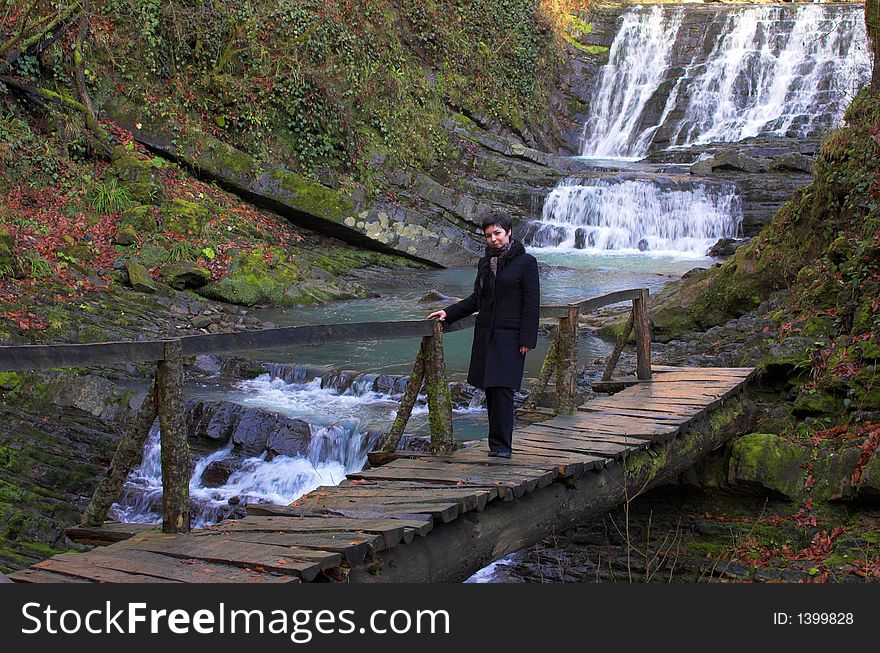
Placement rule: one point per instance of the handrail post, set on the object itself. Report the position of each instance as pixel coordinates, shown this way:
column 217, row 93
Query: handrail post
column 128, row 451
column 439, row 397
column 642, row 325
column 567, row 355
column 175, row 450
column 410, row 395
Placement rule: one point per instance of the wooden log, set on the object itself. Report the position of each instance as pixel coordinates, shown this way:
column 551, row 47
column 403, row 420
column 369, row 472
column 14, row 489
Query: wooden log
column 642, row 325
column 175, row 449
column 566, row 371
column 128, row 453
column 404, row 410
column 618, row 348
column 439, row 396
column 547, row 368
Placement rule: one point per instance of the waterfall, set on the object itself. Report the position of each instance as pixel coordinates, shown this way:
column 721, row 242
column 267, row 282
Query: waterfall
column 637, row 65
column 631, row 215
column 345, row 415
column 756, row 70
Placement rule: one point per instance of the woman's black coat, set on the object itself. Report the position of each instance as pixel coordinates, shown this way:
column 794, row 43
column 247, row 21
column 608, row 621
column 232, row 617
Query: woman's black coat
column 507, row 319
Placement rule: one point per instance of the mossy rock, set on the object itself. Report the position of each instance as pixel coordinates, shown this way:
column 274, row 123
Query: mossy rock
column 770, row 461
column 817, row 402
column 76, row 253
column 126, row 236
column 280, row 282
column 140, row 218
column 181, row 276
column 139, row 179
column 151, row 255
column 184, row 217
column 139, row 277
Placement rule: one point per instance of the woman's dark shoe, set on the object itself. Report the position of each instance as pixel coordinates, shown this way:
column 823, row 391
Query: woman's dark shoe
column 499, row 454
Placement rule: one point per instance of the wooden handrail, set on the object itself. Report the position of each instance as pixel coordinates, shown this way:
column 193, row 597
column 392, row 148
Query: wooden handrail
column 166, row 399
column 36, row 357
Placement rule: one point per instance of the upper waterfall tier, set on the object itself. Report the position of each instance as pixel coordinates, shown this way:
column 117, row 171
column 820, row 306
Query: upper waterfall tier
column 678, row 78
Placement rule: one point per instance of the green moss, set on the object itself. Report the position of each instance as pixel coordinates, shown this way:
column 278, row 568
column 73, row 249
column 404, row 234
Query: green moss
column 140, row 219
column 272, row 276
column 771, row 461
column 138, row 179
column 151, row 255
column 184, row 217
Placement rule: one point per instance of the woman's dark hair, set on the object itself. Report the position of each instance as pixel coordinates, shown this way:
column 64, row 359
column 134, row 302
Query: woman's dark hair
column 501, row 219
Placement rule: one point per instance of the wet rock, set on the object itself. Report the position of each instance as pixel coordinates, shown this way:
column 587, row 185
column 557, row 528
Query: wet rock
column 185, row 274
column 794, row 161
column 580, row 238
column 252, row 430
column 643, row 245
column 730, row 159
column 90, row 393
column 434, row 296
column 727, row 246
column 217, row 473
column 290, row 438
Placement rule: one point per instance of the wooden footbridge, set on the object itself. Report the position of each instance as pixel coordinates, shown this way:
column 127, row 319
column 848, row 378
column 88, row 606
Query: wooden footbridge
column 411, row 516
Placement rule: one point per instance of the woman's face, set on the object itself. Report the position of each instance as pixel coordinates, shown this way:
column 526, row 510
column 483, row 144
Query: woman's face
column 496, row 236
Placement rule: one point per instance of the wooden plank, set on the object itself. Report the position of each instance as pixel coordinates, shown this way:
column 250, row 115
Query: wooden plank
column 665, row 410
column 109, row 533
column 518, row 488
column 296, row 518
column 640, row 413
column 377, row 509
column 468, row 498
column 581, row 435
column 240, row 554
column 41, row 357
column 353, row 546
column 495, row 491
column 183, row 570
column 543, row 477
column 82, row 569
column 32, row 575
column 565, row 466
column 603, row 449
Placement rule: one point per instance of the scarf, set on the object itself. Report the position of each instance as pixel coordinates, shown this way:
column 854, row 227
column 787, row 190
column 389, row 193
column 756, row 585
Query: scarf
column 494, row 261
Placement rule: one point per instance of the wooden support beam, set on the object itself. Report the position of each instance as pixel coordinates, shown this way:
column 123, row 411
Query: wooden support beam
column 404, row 410
column 439, row 397
column 618, row 348
column 128, row 452
column 175, row 449
column 642, row 325
column 547, row 368
column 566, row 370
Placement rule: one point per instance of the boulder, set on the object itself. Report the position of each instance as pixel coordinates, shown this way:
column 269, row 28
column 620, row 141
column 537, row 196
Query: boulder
column 185, row 274
column 184, row 217
column 434, row 296
column 217, row 473
column 727, row 246
column 125, row 236
column 139, row 218
column 138, row 178
column 90, row 393
column 730, row 160
column 139, row 277
column 793, row 161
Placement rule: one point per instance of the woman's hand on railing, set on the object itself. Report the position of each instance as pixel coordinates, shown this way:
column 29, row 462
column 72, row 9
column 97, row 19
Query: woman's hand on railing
column 437, row 315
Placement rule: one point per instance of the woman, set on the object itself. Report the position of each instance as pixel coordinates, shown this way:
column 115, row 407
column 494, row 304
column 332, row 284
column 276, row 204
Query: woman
column 507, row 296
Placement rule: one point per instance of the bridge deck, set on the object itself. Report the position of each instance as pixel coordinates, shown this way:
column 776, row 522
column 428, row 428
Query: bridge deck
column 335, row 529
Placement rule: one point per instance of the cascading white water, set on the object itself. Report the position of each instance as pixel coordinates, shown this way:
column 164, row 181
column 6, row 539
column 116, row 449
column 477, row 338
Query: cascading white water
column 773, row 74
column 657, row 216
column 770, row 70
column 637, row 65
column 341, row 435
